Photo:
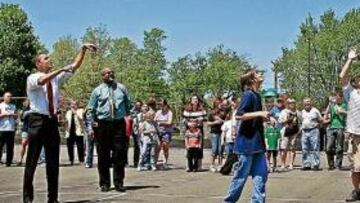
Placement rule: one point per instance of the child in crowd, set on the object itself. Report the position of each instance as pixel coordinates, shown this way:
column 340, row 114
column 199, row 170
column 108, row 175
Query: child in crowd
column 193, row 146
column 149, row 141
column 272, row 137
column 228, row 136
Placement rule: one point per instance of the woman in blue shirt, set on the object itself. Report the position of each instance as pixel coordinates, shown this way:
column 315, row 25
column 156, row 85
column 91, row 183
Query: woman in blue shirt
column 250, row 142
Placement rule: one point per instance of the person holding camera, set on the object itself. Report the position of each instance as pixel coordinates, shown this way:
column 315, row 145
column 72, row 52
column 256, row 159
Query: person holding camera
column 290, row 119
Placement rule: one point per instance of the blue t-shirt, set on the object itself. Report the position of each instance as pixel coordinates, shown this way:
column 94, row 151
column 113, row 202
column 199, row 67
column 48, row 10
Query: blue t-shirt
column 250, row 139
column 275, row 112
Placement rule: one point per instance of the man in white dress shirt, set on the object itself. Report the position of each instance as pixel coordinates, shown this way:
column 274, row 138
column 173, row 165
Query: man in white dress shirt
column 351, row 90
column 42, row 89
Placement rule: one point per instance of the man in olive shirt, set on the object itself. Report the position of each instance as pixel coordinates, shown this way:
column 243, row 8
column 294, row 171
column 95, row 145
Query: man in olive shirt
column 335, row 134
column 108, row 105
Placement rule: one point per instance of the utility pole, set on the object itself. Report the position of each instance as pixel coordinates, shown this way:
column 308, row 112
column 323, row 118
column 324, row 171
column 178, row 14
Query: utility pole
column 276, row 81
column 309, row 79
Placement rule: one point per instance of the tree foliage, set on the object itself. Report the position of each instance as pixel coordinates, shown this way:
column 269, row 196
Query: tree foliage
column 325, row 45
column 145, row 70
column 18, row 46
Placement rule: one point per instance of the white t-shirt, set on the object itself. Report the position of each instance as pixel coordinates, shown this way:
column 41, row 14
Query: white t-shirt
column 352, row 96
column 37, row 94
column 310, row 119
column 7, row 123
column 226, row 129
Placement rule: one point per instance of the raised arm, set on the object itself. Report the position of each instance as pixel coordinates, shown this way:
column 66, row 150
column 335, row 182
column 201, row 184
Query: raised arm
column 81, row 54
column 344, row 75
column 69, row 68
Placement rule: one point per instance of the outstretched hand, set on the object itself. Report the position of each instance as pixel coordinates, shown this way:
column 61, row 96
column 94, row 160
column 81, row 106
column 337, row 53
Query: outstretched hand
column 90, row 47
column 352, row 54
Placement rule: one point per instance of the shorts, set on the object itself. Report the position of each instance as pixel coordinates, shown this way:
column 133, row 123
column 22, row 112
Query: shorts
column 165, row 137
column 24, row 135
column 288, row 143
column 355, row 153
column 215, row 144
column 273, row 152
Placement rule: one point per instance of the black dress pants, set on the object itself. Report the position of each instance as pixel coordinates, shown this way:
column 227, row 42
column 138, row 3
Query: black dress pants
column 70, row 141
column 43, row 131
column 7, row 138
column 111, row 143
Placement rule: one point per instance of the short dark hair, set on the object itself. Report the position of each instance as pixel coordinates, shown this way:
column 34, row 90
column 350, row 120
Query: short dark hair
column 36, row 58
column 338, row 93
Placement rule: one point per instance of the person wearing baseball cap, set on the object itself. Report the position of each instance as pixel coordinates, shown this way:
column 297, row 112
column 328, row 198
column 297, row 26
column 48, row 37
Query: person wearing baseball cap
column 289, row 118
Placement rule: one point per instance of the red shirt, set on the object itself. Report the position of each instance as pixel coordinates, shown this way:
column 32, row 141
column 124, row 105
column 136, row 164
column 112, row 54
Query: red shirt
column 194, row 137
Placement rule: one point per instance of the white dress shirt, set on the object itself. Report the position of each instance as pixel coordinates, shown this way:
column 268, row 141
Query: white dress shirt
column 37, row 94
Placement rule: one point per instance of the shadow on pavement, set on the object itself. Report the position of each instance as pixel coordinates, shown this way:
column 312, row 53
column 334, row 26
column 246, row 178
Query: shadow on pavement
column 141, row 187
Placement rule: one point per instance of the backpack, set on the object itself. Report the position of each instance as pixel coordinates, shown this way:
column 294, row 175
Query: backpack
column 230, row 161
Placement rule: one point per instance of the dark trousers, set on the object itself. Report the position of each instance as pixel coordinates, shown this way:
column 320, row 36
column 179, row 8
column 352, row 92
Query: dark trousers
column 70, row 141
column 7, row 137
column 111, row 144
column 43, row 132
column 136, row 141
column 335, row 146
column 193, row 156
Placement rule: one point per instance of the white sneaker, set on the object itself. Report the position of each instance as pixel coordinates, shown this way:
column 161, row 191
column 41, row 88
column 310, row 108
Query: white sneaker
column 153, row 168
column 139, row 168
column 212, row 169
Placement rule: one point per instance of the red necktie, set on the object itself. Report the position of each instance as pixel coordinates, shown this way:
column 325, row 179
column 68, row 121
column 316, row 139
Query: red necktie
column 50, row 97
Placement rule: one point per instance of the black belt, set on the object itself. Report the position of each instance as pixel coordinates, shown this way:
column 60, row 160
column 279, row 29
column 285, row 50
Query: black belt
column 43, row 115
column 308, row 129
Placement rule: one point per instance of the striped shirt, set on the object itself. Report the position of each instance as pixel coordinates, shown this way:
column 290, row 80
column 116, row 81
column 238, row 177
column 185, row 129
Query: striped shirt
column 352, row 96
column 200, row 116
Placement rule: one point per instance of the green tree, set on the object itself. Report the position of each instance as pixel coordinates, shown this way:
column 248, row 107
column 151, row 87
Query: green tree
column 224, row 69
column 152, row 64
column 325, row 45
column 88, row 76
column 18, row 45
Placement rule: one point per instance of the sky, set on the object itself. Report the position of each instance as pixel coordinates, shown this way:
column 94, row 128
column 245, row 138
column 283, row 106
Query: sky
column 256, row 29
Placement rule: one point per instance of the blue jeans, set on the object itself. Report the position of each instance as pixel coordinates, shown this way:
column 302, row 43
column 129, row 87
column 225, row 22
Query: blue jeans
column 335, row 146
column 229, row 148
column 147, row 150
column 310, row 143
column 249, row 164
column 215, row 144
column 89, row 141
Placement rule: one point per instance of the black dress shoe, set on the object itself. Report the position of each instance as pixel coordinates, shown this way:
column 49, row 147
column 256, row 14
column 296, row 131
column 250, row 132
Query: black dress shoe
column 305, row 168
column 353, row 197
column 120, row 188
column 53, row 201
column 316, row 169
column 104, row 188
column 27, row 200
